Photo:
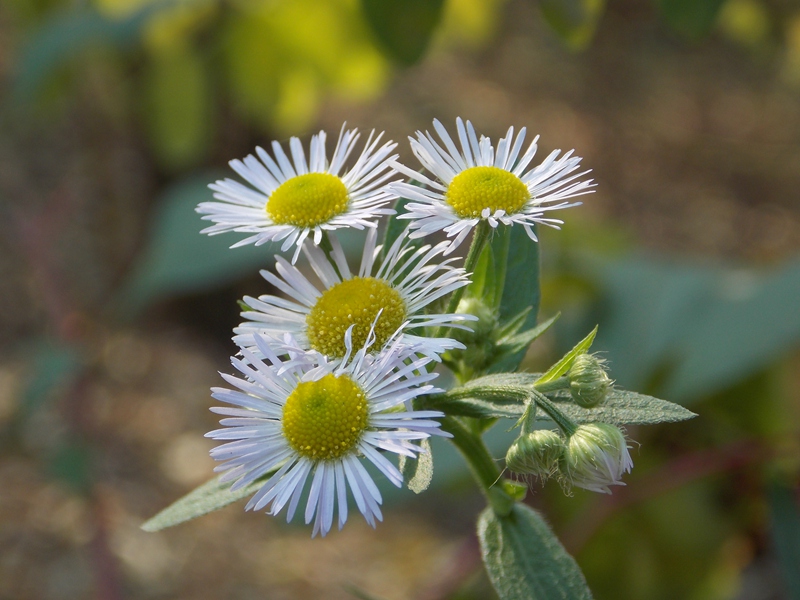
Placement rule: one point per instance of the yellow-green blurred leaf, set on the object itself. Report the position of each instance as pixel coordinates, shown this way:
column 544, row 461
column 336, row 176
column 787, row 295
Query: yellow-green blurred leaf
column 178, row 106
column 403, row 27
column 745, row 22
column 575, row 21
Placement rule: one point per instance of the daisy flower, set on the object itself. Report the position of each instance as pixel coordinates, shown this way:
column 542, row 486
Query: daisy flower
column 388, row 299
column 306, row 418
column 476, row 183
column 293, row 199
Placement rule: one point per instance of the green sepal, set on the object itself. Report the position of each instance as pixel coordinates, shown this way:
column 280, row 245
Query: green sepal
column 525, row 560
column 563, row 365
column 516, row 489
column 207, row 498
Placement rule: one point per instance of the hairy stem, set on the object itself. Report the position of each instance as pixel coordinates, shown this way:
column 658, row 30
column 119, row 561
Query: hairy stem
column 481, row 463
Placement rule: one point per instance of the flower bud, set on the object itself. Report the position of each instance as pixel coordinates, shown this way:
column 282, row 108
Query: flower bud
column 596, row 456
column 536, row 453
column 588, row 381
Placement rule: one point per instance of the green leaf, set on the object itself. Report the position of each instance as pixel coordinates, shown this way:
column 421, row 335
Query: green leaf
column 418, row 473
column 499, row 244
column 700, row 329
column 179, row 111
column 209, row 497
column 575, row 21
column 484, row 277
column 562, row 366
column 786, row 535
column 621, row 407
column 521, row 289
column 521, row 341
column 525, row 560
column 752, row 327
column 692, row 18
column 403, row 28
column 519, row 280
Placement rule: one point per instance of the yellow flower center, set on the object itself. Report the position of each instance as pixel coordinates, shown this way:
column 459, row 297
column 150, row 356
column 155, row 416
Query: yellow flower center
column 477, row 188
column 324, row 419
column 355, row 302
column 308, row 200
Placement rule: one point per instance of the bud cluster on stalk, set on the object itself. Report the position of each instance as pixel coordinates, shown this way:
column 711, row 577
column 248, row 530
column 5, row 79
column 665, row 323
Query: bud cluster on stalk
column 592, row 456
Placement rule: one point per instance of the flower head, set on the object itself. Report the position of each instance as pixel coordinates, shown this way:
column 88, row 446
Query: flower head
column 387, row 300
column 305, row 418
column 596, row 457
column 476, row 183
column 293, row 199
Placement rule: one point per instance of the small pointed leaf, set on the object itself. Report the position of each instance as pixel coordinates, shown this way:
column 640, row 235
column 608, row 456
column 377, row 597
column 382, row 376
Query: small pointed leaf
column 562, row 366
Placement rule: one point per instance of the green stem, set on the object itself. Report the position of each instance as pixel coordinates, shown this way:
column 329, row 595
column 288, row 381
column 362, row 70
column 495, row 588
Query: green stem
column 567, row 425
column 528, row 418
column 478, row 242
column 562, row 383
column 481, row 463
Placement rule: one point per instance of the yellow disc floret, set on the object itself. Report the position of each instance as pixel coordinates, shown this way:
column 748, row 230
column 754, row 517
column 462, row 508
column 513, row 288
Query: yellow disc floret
column 355, row 302
column 477, row 188
column 308, row 200
column 324, row 419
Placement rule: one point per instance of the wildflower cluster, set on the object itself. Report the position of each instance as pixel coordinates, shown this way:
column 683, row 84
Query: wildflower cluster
column 338, row 368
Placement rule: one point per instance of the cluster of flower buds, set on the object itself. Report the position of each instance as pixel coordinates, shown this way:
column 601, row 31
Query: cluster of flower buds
column 592, row 456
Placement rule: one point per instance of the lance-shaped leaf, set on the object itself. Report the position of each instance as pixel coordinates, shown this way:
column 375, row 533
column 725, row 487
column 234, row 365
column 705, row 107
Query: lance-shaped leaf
column 209, row 497
column 525, row 560
column 504, row 396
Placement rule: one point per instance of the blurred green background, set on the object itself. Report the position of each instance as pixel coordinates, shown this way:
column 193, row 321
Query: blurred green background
column 115, row 314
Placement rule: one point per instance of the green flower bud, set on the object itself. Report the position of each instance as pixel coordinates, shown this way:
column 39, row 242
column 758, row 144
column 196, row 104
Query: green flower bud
column 596, row 456
column 536, row 453
column 588, row 381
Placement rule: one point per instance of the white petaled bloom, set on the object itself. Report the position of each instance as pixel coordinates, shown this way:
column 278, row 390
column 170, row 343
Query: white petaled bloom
column 303, row 419
column 477, row 183
column 296, row 198
column 596, row 456
column 388, row 299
